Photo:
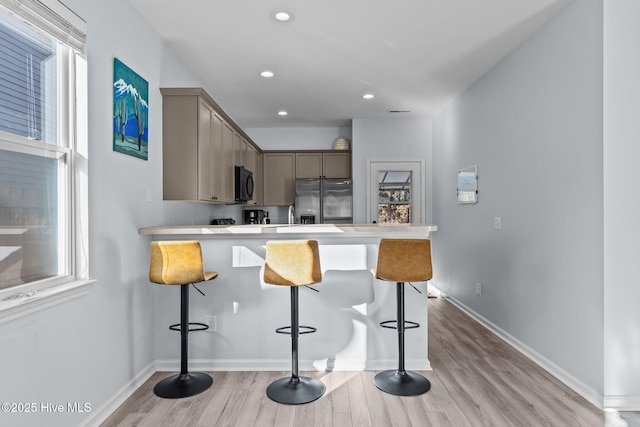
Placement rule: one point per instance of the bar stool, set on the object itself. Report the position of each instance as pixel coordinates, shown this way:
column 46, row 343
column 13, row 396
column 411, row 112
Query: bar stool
column 400, row 261
column 180, row 263
column 293, row 263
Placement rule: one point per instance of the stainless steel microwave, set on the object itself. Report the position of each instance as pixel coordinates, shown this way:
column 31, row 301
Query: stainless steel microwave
column 243, row 184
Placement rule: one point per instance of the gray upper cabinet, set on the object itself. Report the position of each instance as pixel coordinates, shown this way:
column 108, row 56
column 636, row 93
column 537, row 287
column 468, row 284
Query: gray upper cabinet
column 219, row 181
column 206, row 152
column 187, row 132
column 239, row 149
column 282, row 168
column 321, row 164
column 336, row 165
column 226, row 169
column 279, row 178
column 201, row 146
column 308, row 165
column 253, row 160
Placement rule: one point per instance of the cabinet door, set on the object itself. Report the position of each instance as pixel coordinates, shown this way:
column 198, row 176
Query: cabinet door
column 180, row 148
column 205, row 152
column 258, row 197
column 336, row 165
column 239, row 150
column 227, row 163
column 253, row 164
column 217, row 162
column 308, row 165
column 279, row 178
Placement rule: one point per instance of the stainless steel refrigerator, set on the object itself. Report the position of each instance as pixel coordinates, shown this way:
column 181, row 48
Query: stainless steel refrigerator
column 323, row 201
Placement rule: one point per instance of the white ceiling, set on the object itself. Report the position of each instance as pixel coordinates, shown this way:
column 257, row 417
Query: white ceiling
column 412, row 55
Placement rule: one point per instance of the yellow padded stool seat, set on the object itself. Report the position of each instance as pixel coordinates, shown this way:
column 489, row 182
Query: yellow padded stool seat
column 400, row 261
column 180, row 263
column 293, row 263
column 404, row 260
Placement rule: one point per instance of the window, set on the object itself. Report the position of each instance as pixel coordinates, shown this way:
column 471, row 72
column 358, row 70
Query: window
column 43, row 173
column 394, row 197
column 395, row 191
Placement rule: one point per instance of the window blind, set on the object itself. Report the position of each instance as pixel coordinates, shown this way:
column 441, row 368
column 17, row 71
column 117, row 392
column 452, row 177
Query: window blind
column 22, row 88
column 52, row 17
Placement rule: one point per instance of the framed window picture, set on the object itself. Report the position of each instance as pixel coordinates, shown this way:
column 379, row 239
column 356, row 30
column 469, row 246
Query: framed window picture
column 468, row 185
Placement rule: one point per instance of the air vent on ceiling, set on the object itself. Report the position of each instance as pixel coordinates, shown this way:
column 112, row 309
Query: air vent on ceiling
column 399, row 111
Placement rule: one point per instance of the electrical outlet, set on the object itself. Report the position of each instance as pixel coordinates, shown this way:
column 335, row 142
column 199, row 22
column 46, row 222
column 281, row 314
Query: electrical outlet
column 212, row 321
column 479, row 289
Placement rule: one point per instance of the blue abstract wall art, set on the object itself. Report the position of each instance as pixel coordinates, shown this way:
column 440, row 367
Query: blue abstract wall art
column 130, row 112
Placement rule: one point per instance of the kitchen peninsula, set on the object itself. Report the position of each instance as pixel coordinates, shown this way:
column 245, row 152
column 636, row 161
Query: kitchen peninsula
column 297, row 231
column 346, row 309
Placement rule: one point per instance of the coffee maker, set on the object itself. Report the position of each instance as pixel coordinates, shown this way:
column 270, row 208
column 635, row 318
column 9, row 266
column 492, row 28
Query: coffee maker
column 256, row 216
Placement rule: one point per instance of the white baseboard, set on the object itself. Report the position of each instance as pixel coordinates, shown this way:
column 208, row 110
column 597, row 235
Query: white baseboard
column 209, row 365
column 622, row 403
column 569, row 380
column 98, row 416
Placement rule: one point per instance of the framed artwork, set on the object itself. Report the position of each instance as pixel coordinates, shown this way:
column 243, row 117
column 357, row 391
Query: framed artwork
column 130, row 112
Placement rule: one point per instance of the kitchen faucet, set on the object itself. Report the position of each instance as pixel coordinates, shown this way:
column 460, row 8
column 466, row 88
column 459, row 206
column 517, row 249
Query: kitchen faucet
column 292, row 218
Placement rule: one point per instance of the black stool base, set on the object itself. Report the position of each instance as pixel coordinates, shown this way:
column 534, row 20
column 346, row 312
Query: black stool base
column 183, row 385
column 295, row 392
column 407, row 384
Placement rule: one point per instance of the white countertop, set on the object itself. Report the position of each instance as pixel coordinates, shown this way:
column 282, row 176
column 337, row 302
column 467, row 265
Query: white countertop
column 332, row 230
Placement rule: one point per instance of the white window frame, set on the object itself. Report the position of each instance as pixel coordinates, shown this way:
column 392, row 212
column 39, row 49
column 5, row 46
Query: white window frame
column 61, row 24
column 416, row 167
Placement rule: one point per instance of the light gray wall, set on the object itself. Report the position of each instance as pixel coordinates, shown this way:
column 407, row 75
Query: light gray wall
column 87, row 349
column 533, row 125
column 370, row 138
column 298, row 138
column 621, row 206
column 389, row 139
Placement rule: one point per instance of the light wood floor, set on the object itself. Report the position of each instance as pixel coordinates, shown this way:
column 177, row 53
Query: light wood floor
column 477, row 380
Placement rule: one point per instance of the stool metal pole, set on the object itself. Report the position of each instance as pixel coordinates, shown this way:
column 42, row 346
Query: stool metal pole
column 400, row 317
column 399, row 381
column 185, row 383
column 295, row 390
column 184, row 328
column 294, row 334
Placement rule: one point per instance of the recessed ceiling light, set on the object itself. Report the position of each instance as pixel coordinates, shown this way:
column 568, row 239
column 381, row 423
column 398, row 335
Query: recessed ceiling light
column 282, row 113
column 267, row 73
column 283, row 16
column 368, row 96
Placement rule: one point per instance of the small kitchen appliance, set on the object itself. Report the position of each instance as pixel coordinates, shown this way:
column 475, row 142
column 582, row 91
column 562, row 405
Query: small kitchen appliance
column 307, row 219
column 223, row 221
column 256, row 216
column 243, row 184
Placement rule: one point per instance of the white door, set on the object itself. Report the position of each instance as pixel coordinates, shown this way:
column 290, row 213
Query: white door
column 395, row 191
